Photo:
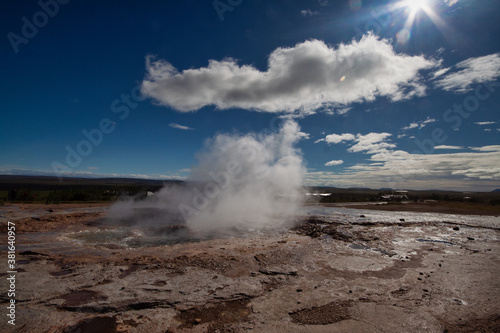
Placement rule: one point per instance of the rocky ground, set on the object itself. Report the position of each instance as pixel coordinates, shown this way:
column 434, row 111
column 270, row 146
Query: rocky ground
column 320, row 276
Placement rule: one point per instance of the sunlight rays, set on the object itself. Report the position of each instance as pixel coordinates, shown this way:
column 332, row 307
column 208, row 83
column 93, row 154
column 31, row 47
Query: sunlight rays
column 413, row 8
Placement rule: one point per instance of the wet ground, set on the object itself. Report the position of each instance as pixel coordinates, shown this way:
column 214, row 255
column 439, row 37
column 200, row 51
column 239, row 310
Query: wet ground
column 335, row 270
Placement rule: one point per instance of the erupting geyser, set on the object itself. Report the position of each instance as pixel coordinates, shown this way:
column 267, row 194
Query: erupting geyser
column 245, row 182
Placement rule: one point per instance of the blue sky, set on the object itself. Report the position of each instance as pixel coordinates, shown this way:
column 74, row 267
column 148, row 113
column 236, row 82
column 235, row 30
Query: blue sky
column 400, row 94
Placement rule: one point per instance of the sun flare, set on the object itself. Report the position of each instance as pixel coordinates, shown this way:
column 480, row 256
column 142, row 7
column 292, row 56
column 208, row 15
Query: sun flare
column 416, row 5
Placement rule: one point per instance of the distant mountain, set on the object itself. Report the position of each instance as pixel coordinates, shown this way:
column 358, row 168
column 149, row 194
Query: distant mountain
column 497, row 190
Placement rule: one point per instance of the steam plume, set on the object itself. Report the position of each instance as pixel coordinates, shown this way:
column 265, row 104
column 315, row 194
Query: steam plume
column 247, row 181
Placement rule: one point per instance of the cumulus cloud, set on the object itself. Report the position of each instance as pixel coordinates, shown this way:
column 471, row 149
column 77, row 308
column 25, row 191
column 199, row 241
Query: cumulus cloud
column 370, row 143
column 470, row 72
column 337, row 138
column 301, row 78
column 181, row 127
column 334, row 162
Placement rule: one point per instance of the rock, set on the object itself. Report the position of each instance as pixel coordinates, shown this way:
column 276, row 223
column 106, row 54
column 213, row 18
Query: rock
column 456, row 228
column 401, row 220
column 362, row 215
column 197, row 321
column 470, row 238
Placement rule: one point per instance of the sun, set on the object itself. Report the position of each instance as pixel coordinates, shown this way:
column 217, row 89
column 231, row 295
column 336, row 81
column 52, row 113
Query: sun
column 419, row 10
column 416, row 5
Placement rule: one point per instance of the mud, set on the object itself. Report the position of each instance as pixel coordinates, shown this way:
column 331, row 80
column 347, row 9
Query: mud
column 322, row 275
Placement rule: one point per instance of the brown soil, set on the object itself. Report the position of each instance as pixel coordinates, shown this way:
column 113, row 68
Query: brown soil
column 219, row 316
column 326, row 314
column 80, row 297
column 94, row 325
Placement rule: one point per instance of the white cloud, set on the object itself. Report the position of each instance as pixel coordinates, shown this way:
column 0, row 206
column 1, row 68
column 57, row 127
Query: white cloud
column 334, row 162
column 471, row 71
column 440, row 72
column 181, row 127
column 343, row 110
column 304, row 135
column 370, row 143
column 487, row 129
column 484, row 123
column 419, row 124
column 411, row 126
column 477, row 170
column 337, row 138
column 301, row 78
column 481, row 173
column 308, row 12
column 450, row 2
column 491, row 148
column 448, row 147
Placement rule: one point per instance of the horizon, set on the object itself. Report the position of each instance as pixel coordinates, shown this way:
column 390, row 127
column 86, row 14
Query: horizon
column 62, row 179
column 385, row 94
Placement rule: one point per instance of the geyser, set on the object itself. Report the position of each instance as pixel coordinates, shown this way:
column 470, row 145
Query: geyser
column 241, row 182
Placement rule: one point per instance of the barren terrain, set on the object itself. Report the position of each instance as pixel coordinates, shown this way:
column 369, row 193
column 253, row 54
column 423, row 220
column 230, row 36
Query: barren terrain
column 323, row 275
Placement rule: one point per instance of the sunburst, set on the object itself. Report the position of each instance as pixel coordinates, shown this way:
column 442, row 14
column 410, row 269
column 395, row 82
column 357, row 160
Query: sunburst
column 416, row 5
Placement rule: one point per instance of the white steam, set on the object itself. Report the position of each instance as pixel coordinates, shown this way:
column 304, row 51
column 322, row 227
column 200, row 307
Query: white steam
column 248, row 181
